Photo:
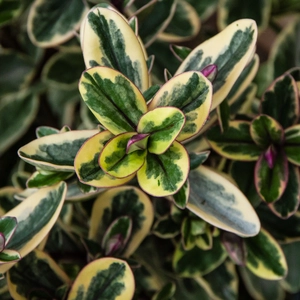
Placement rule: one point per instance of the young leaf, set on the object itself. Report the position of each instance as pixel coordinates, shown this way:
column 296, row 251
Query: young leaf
column 104, row 278
column 8, row 226
column 122, row 201
column 164, row 125
column 182, row 196
column 163, row 175
column 191, row 92
column 291, row 144
column 220, row 203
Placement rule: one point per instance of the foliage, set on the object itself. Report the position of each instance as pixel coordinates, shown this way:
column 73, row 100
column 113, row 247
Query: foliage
column 165, row 162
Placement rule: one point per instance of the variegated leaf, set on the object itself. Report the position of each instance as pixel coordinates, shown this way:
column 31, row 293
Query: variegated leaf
column 291, row 282
column 184, row 25
column 271, row 177
column 9, row 256
column 231, row 10
column 182, row 196
column 238, row 41
column 164, row 125
column 292, row 143
column 116, row 161
column 25, row 106
column 63, row 69
column 8, row 226
column 108, row 40
column 163, row 10
column 44, row 274
column 288, row 203
column 167, row 292
column 197, row 159
column 191, row 92
column 265, row 258
column 55, row 152
column 42, row 179
column 223, row 276
column 122, row 201
column 166, row 228
column 236, row 143
column 113, row 99
column 260, row 288
column 104, row 278
column 265, row 131
column 281, row 102
column 180, row 52
column 284, row 53
column 188, row 264
column 220, row 203
column 41, row 209
column 163, row 175
column 87, row 163
column 50, row 24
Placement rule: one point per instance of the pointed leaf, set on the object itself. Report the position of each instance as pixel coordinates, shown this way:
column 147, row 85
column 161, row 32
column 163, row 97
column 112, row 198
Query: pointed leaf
column 104, row 278
column 288, row 203
column 87, row 163
column 181, row 52
column 223, row 112
column 117, row 235
column 150, row 93
column 55, row 152
column 265, row 131
column 164, row 125
column 184, row 25
column 113, row 99
column 117, row 202
column 240, row 39
column 108, row 40
column 188, row 264
column 163, row 175
column 197, row 159
column 7, row 256
column 45, row 130
column 270, row 182
column 191, row 93
column 236, row 143
column 49, row 23
column 212, row 197
column 44, row 273
column 281, row 101
column 265, row 257
column 36, row 215
column 114, row 159
column 8, row 226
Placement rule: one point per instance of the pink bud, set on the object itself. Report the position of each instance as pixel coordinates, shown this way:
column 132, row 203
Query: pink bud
column 270, row 156
column 210, row 72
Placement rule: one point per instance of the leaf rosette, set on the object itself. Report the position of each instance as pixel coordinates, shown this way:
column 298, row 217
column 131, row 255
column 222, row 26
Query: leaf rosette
column 141, row 140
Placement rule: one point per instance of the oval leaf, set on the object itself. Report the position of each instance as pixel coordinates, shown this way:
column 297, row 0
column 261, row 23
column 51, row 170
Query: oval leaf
column 108, row 40
column 163, row 175
column 104, row 278
column 113, row 99
column 220, row 203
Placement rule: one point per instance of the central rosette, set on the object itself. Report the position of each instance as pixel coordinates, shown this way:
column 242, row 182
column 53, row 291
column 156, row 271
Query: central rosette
column 141, row 139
